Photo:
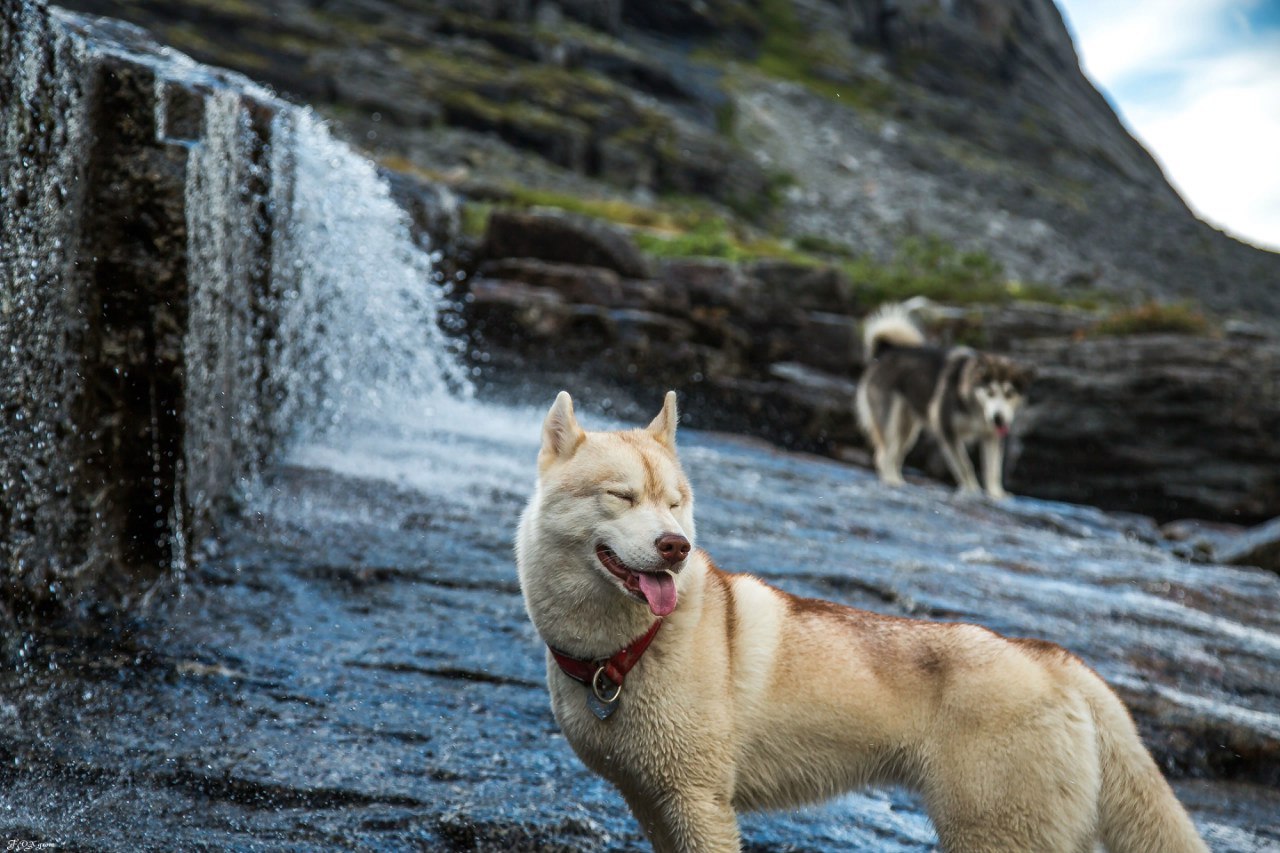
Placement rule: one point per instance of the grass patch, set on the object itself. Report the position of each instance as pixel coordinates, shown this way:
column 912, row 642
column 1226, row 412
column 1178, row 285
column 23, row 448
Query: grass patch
column 715, row 238
column 930, row 267
column 814, row 59
column 475, row 218
column 820, row 245
column 613, row 210
column 652, row 225
column 934, row 268
column 1152, row 318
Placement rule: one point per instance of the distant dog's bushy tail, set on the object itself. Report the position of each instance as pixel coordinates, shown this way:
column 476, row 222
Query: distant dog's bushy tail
column 891, row 326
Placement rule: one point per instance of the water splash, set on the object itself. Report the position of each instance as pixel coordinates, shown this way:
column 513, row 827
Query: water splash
column 359, row 338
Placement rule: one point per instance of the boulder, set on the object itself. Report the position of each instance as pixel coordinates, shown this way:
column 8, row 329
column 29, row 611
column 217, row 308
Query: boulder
column 512, row 311
column 1257, row 546
column 595, row 285
column 564, row 238
column 817, row 288
column 1166, row 425
column 710, row 283
column 829, row 342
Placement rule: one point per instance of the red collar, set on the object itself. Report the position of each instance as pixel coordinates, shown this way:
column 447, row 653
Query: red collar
column 614, row 668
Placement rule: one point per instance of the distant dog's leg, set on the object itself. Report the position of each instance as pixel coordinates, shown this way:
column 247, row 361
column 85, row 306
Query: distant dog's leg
column 908, row 432
column 961, row 466
column 871, row 415
column 889, row 456
column 993, row 466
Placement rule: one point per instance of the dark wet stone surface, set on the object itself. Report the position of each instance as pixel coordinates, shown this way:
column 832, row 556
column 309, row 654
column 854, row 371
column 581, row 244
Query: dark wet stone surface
column 352, row 668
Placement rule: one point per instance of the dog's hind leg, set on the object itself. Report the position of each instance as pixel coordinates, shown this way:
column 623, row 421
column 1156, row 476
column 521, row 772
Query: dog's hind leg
column 993, row 466
column 899, row 430
column 1030, row 783
column 875, row 416
column 906, row 427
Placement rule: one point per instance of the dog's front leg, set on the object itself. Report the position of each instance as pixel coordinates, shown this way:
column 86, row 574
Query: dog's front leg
column 993, row 466
column 961, row 467
column 689, row 822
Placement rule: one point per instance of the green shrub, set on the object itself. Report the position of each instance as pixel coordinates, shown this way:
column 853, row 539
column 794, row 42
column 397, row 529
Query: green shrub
column 1152, row 318
column 932, row 267
column 709, row 238
column 475, row 218
column 714, row 238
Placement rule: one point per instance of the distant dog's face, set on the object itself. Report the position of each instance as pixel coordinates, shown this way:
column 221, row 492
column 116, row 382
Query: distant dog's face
column 619, row 501
column 998, row 387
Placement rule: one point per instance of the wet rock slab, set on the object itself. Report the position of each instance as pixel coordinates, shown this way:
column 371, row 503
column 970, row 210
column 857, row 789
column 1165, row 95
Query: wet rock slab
column 353, row 668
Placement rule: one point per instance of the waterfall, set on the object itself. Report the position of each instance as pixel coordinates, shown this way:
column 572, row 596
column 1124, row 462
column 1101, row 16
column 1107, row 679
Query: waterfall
column 359, row 334
column 196, row 276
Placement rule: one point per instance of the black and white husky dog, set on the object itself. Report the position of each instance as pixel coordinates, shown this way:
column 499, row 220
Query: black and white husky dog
column 961, row 395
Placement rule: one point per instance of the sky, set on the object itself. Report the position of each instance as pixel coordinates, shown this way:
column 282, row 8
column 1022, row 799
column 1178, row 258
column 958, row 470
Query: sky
column 1198, row 83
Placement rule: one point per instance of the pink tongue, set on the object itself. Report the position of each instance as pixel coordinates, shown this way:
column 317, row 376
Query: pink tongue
column 659, row 590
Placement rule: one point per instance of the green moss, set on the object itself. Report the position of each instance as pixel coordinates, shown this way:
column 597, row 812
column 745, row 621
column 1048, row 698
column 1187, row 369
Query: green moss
column 819, row 245
column 475, row 218
column 189, row 39
column 1155, row 318
column 931, row 267
column 514, row 115
column 726, row 118
column 242, row 9
column 713, row 237
column 709, row 239
column 613, row 210
column 816, row 60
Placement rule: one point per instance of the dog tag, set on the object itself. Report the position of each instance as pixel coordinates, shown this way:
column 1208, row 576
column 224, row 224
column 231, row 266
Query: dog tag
column 598, row 699
column 603, row 710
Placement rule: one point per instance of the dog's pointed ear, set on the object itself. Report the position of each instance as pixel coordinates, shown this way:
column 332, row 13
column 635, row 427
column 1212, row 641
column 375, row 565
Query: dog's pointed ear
column 663, row 427
column 561, row 434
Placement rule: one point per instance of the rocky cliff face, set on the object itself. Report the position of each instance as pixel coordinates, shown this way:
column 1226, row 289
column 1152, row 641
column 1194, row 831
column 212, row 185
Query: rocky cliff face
column 129, row 367
column 847, row 123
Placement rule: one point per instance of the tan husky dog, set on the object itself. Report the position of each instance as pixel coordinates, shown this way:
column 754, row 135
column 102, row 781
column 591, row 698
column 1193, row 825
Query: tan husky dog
column 699, row 693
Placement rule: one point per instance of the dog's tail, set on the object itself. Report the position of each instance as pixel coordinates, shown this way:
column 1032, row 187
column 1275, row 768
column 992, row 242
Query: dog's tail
column 891, row 326
column 1137, row 809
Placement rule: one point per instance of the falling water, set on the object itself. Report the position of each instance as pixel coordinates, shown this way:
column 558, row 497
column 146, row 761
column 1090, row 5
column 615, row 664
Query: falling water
column 359, row 335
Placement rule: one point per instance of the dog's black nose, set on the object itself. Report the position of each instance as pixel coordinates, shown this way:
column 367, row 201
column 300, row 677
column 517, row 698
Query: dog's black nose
column 998, row 419
column 673, row 547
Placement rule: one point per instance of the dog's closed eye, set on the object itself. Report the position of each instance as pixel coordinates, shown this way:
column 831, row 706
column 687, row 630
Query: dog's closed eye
column 628, row 497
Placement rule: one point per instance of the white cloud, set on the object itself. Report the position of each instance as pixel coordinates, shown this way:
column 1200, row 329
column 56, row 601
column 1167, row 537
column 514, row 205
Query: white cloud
column 1201, row 89
column 1116, row 40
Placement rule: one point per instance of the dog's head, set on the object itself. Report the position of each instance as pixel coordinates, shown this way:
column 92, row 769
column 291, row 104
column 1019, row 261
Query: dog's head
column 998, row 386
column 617, row 502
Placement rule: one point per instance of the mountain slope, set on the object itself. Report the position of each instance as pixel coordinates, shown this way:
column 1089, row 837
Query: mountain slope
column 844, row 124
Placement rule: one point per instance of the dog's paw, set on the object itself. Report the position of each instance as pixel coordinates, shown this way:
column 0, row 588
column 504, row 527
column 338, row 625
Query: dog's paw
column 997, row 494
